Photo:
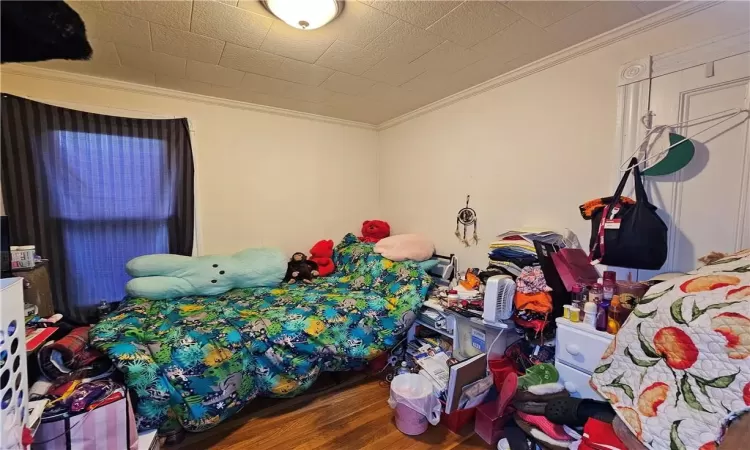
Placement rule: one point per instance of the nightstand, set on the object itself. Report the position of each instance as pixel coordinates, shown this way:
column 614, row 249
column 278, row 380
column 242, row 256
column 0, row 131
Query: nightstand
column 578, row 350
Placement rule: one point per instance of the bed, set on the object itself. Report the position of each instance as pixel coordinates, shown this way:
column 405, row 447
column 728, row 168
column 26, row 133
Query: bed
column 195, row 361
column 678, row 372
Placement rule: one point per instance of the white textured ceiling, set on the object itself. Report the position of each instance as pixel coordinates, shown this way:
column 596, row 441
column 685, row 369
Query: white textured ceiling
column 378, row 60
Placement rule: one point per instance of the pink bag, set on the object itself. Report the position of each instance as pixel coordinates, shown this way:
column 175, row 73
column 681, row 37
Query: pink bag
column 573, row 266
column 110, row 427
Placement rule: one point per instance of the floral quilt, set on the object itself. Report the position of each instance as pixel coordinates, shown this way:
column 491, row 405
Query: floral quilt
column 680, row 366
column 198, row 360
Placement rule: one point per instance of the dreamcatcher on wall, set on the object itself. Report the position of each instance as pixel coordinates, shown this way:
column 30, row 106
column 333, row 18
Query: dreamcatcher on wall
column 468, row 218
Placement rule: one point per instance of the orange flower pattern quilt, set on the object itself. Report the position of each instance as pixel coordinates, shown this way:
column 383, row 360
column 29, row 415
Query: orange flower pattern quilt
column 679, row 368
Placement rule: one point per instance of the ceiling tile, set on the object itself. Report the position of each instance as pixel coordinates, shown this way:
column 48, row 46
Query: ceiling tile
column 303, row 73
column 151, row 61
column 100, row 70
column 421, row 13
column 512, row 42
column 112, row 27
column 359, row 24
column 227, row 23
column 473, row 22
column 393, row 71
column 403, row 40
column 348, row 58
column 651, row 6
column 182, row 84
column 185, row 44
column 274, row 86
column 104, row 52
column 250, row 60
column 91, row 4
column 306, row 46
column 175, row 14
column 544, row 14
column 592, row 21
column 447, row 57
column 347, row 84
column 212, row 74
column 255, row 7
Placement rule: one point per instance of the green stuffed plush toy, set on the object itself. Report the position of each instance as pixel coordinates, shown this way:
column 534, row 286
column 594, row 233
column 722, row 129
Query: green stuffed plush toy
column 170, row 276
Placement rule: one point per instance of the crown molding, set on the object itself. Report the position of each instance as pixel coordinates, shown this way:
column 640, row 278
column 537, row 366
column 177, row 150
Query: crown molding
column 646, row 23
column 88, row 80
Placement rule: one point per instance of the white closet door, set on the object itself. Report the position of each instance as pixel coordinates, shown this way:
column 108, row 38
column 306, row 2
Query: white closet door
column 707, row 204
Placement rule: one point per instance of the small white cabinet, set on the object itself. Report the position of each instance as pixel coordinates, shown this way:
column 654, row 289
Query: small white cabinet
column 578, row 350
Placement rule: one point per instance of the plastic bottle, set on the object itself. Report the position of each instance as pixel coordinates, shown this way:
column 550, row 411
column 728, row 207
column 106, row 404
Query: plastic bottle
column 614, row 316
column 608, row 286
column 576, row 298
column 595, row 292
column 589, row 314
column 402, row 369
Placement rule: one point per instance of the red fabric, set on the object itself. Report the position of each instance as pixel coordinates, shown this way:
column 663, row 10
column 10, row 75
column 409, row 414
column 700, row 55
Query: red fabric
column 598, row 435
column 321, row 254
column 374, row 230
column 550, row 429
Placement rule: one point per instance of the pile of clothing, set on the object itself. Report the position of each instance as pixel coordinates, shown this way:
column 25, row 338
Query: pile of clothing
column 70, row 368
column 544, row 414
column 513, row 253
column 510, row 253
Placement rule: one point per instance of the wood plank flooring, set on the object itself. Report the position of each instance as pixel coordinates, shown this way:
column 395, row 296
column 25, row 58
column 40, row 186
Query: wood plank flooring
column 353, row 415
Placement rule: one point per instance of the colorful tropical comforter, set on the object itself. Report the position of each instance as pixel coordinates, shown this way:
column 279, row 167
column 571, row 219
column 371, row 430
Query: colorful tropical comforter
column 198, row 360
column 679, row 369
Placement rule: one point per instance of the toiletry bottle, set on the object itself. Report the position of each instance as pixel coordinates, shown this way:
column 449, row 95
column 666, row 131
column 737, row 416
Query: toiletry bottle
column 614, row 316
column 589, row 314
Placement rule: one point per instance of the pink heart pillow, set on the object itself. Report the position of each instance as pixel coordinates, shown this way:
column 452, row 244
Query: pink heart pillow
column 401, row 247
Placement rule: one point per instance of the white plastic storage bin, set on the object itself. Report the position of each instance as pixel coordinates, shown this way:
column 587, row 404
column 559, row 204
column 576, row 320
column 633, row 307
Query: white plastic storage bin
column 473, row 337
column 13, row 374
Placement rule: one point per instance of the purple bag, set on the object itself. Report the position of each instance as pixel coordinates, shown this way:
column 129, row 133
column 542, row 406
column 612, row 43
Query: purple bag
column 573, row 266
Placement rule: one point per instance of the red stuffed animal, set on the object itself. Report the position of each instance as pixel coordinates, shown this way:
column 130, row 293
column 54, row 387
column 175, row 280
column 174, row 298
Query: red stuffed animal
column 321, row 254
column 374, row 230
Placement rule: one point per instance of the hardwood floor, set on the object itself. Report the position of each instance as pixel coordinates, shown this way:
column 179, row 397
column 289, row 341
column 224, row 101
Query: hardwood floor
column 353, row 416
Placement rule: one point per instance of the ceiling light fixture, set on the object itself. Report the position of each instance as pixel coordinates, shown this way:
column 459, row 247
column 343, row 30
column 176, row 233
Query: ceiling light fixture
column 305, row 14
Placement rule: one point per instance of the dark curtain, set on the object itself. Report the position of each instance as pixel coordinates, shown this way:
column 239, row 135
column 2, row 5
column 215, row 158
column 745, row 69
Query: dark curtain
column 93, row 191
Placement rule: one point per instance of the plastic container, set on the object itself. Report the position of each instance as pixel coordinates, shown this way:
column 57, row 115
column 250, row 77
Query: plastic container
column 415, row 404
column 575, row 314
column 473, row 337
column 500, row 368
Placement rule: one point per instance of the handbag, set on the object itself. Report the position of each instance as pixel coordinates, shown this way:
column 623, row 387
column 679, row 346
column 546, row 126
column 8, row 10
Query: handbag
column 629, row 235
column 574, row 267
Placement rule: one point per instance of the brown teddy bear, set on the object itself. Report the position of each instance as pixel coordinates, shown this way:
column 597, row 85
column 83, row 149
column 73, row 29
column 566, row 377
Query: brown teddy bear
column 300, row 268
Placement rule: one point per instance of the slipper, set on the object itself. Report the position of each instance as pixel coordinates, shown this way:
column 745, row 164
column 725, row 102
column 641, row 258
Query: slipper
column 550, row 429
column 526, row 396
column 507, row 392
column 539, row 437
column 535, row 404
column 575, row 412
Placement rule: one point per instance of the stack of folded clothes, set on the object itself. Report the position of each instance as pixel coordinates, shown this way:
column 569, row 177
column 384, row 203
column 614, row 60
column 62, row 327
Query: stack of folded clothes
column 510, row 253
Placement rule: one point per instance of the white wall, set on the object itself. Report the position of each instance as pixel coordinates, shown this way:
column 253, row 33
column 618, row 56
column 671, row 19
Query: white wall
column 528, row 152
column 262, row 179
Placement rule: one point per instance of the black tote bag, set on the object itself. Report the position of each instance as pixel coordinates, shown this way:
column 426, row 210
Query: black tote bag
column 629, row 235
